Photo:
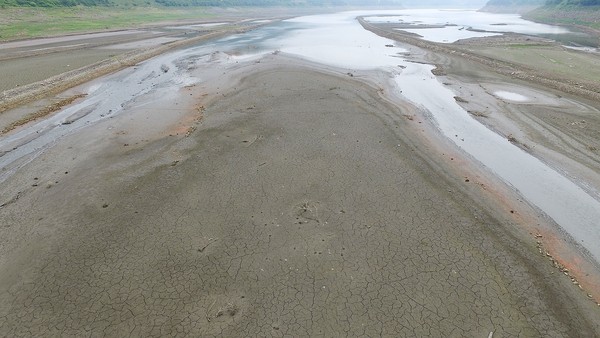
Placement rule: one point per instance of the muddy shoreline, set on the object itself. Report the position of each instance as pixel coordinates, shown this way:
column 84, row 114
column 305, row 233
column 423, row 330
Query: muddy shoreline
column 586, row 89
column 24, row 94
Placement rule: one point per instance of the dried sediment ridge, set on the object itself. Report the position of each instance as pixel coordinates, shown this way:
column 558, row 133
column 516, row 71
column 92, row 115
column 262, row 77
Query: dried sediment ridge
column 56, row 84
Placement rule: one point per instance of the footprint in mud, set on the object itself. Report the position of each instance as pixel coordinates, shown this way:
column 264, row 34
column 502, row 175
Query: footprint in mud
column 226, row 307
column 307, row 211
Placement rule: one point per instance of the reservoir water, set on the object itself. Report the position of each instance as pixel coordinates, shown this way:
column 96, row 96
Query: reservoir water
column 447, row 26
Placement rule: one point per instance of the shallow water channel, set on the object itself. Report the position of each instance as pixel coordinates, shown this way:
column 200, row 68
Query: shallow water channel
column 337, row 40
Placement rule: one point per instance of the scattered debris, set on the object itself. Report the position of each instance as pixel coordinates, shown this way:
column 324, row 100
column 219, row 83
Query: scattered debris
column 477, row 113
column 12, row 200
column 210, row 241
column 559, row 266
column 309, row 211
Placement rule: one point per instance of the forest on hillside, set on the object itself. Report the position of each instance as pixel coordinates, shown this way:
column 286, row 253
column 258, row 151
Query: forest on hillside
column 516, row 2
column 53, row 3
column 267, row 3
column 186, row 3
column 234, row 3
column 573, row 3
column 550, row 3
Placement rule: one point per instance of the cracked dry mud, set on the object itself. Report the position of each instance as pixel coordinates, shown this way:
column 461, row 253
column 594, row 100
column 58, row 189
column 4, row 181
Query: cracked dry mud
column 311, row 214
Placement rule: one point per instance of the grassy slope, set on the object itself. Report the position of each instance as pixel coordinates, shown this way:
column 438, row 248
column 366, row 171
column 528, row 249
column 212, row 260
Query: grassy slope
column 562, row 63
column 586, row 16
column 19, row 23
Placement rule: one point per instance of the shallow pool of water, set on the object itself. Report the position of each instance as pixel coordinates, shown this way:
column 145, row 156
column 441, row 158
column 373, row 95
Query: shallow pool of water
column 490, row 22
column 448, row 26
column 510, row 96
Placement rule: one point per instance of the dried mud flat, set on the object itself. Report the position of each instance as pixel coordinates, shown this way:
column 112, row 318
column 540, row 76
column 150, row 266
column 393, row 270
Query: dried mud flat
column 303, row 204
column 283, row 198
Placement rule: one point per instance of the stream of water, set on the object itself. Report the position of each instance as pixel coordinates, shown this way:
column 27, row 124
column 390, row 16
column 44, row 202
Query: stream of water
column 338, row 40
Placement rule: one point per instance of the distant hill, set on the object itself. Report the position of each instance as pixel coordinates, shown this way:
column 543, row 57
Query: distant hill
column 540, row 3
column 512, row 6
column 524, row 6
column 236, row 3
column 516, row 2
column 283, row 3
column 573, row 3
column 53, row 3
column 583, row 13
column 207, row 3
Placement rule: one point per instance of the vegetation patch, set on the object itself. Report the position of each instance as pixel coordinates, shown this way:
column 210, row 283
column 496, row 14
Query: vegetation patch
column 21, row 23
column 588, row 16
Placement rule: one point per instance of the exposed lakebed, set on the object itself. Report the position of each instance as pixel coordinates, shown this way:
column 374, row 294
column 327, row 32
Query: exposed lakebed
column 338, row 40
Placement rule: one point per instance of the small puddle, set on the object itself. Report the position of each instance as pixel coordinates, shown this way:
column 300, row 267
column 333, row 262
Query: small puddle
column 510, row 96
